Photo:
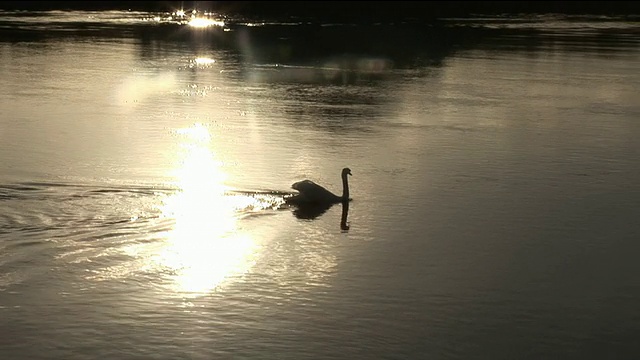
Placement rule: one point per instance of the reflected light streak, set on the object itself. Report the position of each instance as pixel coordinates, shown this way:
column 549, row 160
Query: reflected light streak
column 204, row 247
column 204, row 22
column 202, row 62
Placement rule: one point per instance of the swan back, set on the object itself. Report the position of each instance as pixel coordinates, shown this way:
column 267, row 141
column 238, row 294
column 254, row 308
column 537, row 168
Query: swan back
column 313, row 193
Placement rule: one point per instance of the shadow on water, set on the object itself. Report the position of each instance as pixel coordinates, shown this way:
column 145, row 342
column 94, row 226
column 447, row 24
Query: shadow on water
column 312, row 67
column 338, row 77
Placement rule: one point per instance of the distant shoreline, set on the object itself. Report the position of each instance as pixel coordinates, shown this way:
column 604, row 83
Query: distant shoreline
column 348, row 10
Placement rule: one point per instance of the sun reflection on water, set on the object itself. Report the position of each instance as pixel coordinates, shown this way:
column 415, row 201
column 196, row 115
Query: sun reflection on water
column 198, row 22
column 204, row 247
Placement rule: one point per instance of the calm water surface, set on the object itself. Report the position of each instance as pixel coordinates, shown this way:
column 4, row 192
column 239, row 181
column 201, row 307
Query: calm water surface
column 143, row 165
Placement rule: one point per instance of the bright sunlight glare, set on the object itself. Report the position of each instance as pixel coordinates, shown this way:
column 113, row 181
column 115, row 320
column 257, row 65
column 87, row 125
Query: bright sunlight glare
column 204, row 247
column 203, row 22
column 204, row 61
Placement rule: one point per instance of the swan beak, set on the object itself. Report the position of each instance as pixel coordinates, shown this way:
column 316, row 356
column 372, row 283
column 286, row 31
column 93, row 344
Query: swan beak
column 349, row 173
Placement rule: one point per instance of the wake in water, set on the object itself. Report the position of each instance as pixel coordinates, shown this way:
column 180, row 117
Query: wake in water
column 38, row 206
column 119, row 229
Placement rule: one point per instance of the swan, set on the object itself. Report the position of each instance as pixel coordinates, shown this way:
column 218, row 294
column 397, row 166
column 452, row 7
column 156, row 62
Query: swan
column 312, row 193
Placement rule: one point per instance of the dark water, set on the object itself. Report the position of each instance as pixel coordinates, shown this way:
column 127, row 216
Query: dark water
column 144, row 163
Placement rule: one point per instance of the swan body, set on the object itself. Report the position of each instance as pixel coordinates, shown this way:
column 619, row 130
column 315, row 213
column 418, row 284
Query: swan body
column 312, row 193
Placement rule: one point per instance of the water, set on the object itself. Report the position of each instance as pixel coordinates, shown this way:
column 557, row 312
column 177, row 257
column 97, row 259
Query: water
column 144, row 164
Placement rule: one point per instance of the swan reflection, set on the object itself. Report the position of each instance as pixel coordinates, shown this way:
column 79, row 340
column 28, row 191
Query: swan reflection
column 344, row 222
column 311, row 211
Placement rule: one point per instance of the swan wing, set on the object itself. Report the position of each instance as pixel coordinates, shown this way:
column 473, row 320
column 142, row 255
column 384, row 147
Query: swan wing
column 306, row 186
column 312, row 191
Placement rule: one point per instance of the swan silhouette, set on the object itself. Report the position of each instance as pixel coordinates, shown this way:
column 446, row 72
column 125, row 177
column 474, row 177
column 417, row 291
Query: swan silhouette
column 310, row 193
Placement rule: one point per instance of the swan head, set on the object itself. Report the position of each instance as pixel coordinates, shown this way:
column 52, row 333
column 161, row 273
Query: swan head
column 345, row 172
